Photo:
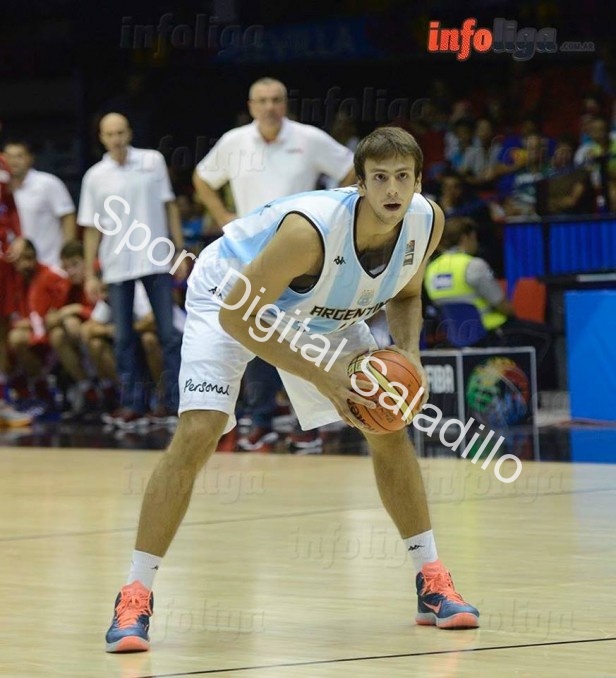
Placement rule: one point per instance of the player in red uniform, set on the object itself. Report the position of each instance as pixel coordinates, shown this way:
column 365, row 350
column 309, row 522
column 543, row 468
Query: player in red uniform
column 11, row 244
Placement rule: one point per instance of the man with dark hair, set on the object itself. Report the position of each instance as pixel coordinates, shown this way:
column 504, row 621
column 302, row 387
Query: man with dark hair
column 333, row 259
column 46, row 210
column 64, row 324
column 41, row 290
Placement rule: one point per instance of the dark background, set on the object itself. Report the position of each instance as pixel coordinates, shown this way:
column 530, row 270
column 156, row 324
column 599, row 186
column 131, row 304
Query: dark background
column 64, row 61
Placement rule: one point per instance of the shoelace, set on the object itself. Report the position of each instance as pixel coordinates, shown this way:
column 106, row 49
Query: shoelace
column 131, row 606
column 441, row 583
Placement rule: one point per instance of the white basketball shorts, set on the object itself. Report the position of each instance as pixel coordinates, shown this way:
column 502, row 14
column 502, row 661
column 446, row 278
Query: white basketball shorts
column 213, row 362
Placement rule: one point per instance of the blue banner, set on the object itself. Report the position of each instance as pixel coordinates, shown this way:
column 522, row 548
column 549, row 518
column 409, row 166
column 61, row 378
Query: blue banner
column 336, row 40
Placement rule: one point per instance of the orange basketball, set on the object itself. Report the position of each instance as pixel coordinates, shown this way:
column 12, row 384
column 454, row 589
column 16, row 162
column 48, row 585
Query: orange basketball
column 391, row 381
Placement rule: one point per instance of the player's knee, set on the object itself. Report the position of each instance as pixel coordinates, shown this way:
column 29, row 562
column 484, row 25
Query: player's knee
column 72, row 327
column 198, row 433
column 391, row 443
column 56, row 337
column 86, row 331
column 17, row 339
column 149, row 341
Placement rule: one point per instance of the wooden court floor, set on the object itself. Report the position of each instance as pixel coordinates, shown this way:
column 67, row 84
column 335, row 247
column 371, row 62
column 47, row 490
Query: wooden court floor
column 289, row 567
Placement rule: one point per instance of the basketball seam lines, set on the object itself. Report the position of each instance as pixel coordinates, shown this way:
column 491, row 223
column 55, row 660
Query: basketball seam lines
column 388, row 387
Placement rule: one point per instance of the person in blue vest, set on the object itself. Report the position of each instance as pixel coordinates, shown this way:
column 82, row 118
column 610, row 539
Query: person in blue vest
column 294, row 282
column 457, row 274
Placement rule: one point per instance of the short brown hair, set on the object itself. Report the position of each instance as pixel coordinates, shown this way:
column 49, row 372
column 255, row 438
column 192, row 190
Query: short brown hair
column 73, row 248
column 387, row 142
column 455, row 228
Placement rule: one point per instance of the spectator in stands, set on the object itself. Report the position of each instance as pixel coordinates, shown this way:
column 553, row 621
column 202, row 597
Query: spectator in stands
column 566, row 188
column 46, row 209
column 462, row 140
column 513, row 155
column 598, row 156
column 63, row 324
column 480, row 160
column 140, row 178
column 97, row 338
column 11, row 246
column 429, row 128
column 591, row 109
column 532, row 167
column 270, row 158
column 192, row 218
column 458, row 275
column 97, row 335
column 40, row 290
column 457, row 199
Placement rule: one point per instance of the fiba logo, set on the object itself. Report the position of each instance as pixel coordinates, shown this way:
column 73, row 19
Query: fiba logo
column 498, row 393
column 441, row 378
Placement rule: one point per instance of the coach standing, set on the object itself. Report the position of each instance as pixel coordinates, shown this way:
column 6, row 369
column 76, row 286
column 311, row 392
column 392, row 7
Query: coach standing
column 270, row 158
column 139, row 183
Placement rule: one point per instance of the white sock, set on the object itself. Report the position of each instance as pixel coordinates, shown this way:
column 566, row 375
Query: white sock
column 143, row 568
column 422, row 548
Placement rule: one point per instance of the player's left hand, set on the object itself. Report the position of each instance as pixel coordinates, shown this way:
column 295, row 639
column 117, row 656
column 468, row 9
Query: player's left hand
column 415, row 360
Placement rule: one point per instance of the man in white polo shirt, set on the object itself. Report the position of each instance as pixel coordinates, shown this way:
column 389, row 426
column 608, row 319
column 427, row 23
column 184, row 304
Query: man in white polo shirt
column 270, row 158
column 128, row 203
column 46, row 209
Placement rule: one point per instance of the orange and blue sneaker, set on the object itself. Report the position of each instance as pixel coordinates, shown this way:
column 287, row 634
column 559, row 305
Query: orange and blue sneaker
column 439, row 604
column 131, row 620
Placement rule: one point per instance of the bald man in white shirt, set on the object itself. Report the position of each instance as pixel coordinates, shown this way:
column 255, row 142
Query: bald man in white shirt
column 138, row 179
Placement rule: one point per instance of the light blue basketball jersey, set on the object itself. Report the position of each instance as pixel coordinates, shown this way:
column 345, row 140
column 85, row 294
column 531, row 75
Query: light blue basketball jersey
column 344, row 293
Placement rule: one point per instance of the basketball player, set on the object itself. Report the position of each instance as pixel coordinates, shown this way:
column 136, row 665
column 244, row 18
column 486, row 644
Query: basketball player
column 319, row 257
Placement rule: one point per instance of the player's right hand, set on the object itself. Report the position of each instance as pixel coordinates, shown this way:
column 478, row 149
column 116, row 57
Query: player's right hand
column 336, row 386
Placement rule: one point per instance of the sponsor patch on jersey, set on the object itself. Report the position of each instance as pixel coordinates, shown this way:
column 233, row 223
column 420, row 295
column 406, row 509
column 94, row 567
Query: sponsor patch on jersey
column 409, row 253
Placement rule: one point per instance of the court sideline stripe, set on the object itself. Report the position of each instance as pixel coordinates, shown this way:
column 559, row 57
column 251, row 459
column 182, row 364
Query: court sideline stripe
column 383, row 656
column 278, row 516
